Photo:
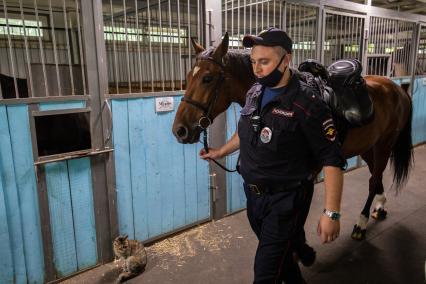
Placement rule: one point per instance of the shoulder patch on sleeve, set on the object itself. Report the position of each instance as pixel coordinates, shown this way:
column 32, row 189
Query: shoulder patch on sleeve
column 330, row 131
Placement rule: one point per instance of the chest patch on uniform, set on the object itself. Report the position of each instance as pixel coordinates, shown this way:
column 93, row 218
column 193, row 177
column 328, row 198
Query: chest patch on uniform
column 266, row 135
column 282, row 112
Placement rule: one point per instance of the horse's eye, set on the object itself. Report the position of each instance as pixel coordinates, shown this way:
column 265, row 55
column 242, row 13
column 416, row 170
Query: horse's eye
column 207, row 79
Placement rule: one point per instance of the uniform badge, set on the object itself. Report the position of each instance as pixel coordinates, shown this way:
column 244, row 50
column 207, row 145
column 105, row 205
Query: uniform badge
column 266, row 135
column 330, row 131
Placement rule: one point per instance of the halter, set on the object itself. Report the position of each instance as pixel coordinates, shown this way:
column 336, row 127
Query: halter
column 205, row 121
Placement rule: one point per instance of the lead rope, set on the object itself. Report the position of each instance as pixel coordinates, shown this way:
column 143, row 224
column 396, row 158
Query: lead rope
column 206, row 148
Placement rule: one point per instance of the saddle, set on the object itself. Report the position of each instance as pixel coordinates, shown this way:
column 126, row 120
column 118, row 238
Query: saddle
column 343, row 89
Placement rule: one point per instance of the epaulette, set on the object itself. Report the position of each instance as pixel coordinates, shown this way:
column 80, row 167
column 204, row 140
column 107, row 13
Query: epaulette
column 306, row 99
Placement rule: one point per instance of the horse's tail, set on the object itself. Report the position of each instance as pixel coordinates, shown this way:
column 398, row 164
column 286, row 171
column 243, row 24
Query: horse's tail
column 402, row 152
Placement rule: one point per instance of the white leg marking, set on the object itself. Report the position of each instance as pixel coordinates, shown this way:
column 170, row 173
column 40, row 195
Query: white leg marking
column 362, row 222
column 380, row 201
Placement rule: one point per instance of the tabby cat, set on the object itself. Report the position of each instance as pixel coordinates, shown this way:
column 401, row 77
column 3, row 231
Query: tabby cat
column 134, row 255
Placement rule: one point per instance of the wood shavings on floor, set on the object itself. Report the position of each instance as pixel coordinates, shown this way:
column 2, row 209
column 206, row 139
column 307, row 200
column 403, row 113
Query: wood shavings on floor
column 179, row 248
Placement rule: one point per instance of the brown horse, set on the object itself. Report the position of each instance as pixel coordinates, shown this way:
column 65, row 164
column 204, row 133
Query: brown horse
column 220, row 77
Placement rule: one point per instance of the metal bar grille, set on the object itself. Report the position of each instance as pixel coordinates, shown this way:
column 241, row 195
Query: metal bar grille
column 300, row 22
column 41, row 49
column 68, row 46
column 343, row 36
column 12, row 59
column 55, row 53
column 389, row 47
column 421, row 53
column 148, row 43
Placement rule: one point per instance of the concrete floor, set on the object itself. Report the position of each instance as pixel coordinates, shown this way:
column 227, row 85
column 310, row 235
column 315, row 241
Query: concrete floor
column 222, row 251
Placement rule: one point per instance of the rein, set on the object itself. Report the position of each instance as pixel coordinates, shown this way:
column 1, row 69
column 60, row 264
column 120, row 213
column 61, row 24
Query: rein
column 205, row 121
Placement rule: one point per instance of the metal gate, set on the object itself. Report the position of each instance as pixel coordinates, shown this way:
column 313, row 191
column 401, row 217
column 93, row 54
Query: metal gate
column 420, row 64
column 301, row 24
column 343, row 36
column 390, row 47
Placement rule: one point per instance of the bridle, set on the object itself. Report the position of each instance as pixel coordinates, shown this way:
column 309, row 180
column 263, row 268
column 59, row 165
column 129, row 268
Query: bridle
column 205, row 121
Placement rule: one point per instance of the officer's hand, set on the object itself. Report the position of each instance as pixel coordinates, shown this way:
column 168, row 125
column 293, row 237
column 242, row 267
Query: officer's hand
column 212, row 154
column 328, row 230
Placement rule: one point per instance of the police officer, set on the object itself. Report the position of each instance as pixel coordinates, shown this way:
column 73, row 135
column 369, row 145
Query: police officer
column 285, row 135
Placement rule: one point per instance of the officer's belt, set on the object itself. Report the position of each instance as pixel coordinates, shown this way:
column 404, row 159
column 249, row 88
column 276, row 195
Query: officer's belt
column 260, row 189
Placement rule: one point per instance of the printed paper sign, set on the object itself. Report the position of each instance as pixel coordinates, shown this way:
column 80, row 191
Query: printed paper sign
column 164, row 104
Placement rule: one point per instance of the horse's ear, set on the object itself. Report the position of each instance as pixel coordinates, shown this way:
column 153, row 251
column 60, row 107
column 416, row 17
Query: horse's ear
column 198, row 48
column 222, row 49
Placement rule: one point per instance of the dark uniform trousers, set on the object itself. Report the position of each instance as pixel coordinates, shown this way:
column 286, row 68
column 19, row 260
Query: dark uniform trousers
column 278, row 221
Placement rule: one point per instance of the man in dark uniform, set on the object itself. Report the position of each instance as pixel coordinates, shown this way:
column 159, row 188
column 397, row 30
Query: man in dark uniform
column 285, row 135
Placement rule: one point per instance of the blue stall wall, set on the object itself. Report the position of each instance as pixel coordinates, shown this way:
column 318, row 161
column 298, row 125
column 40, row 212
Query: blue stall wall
column 161, row 185
column 71, row 211
column 69, row 189
column 21, row 249
column 419, row 110
column 419, row 107
column 236, row 199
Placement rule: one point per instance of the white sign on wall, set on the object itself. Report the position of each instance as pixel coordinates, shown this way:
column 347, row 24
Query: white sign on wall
column 164, row 104
column 424, row 81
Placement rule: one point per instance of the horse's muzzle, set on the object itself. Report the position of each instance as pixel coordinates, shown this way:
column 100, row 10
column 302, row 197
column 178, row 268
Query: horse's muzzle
column 185, row 135
column 181, row 132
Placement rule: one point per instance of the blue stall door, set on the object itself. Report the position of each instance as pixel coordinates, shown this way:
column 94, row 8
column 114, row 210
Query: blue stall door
column 161, row 185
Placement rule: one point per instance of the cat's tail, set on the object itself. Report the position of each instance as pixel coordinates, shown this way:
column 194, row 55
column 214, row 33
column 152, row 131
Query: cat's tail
column 146, row 257
column 124, row 276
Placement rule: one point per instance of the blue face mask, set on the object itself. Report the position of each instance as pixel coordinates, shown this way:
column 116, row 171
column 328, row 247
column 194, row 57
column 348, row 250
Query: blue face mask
column 273, row 78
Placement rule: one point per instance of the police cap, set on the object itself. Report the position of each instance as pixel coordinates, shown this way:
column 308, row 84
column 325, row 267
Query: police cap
column 269, row 37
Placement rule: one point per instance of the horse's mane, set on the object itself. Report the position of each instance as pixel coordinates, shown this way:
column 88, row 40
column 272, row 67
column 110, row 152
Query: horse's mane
column 236, row 61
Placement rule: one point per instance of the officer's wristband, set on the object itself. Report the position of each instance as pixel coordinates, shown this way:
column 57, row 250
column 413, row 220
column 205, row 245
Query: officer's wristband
column 333, row 215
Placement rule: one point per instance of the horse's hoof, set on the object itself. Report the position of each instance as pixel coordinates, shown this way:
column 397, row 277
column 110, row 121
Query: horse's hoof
column 358, row 234
column 379, row 214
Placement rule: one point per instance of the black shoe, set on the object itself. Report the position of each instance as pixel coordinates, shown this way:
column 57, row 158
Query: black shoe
column 306, row 255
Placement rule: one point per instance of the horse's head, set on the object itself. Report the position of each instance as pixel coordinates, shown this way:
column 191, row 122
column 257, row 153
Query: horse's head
column 206, row 95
